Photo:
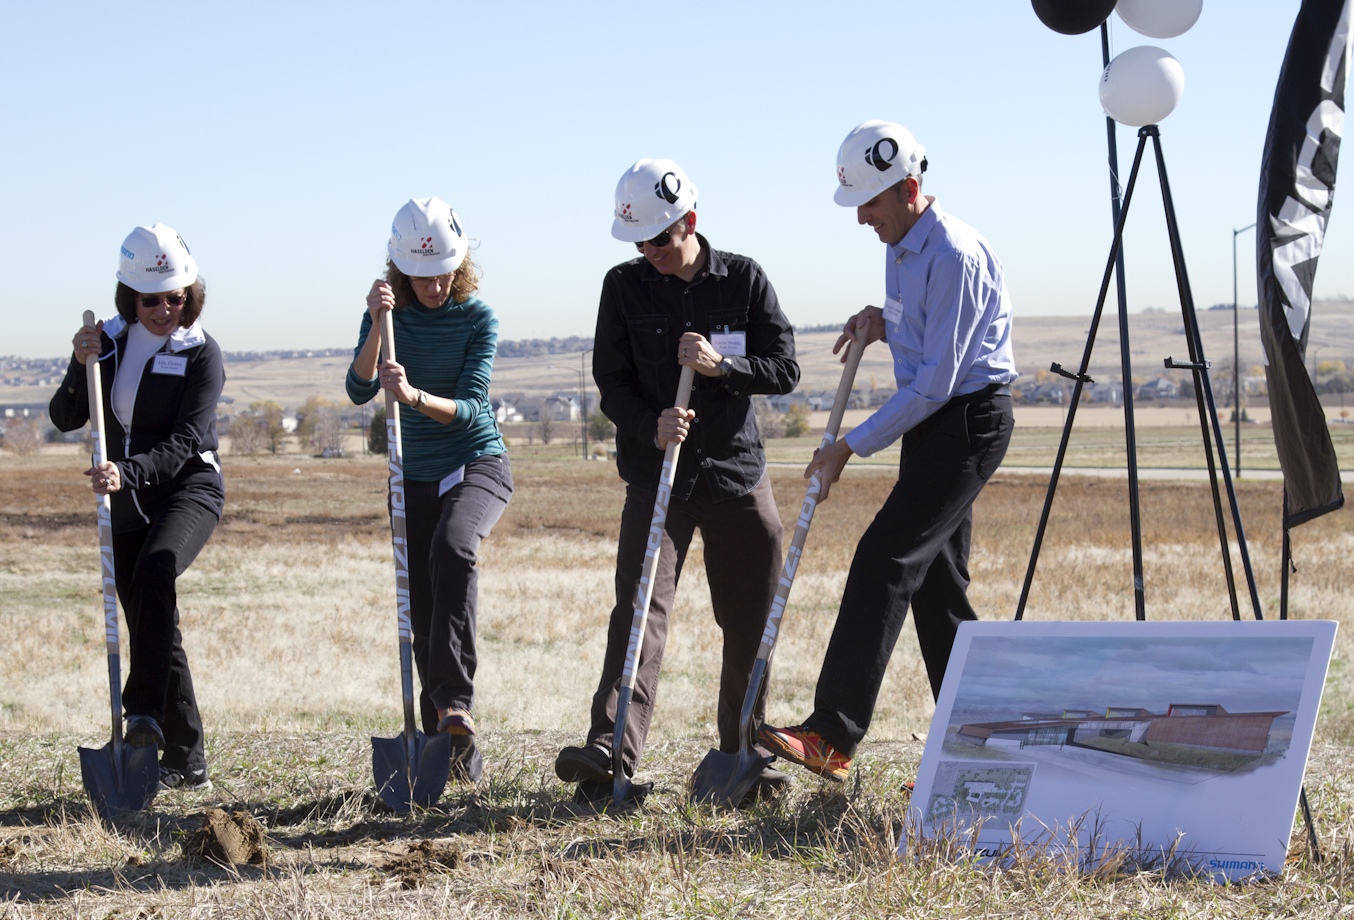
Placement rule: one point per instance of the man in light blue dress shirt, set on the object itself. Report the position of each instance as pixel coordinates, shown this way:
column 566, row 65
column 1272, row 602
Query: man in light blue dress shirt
column 947, row 321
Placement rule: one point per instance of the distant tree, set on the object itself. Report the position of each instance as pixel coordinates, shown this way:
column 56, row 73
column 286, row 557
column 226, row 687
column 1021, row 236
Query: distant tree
column 269, row 415
column 328, row 434
column 546, row 425
column 247, row 438
column 797, row 421
column 769, row 421
column 600, row 427
column 22, row 438
column 377, row 441
column 308, row 417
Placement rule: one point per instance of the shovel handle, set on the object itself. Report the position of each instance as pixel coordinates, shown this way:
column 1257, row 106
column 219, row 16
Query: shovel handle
column 398, row 532
column 98, row 434
column 644, row 593
column 810, row 504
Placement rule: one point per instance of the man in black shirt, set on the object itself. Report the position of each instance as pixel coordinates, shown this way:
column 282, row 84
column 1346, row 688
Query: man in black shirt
column 683, row 303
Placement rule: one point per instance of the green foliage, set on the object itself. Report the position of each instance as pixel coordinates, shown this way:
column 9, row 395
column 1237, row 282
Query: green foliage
column 600, row 427
column 797, row 421
column 377, row 442
column 308, row 417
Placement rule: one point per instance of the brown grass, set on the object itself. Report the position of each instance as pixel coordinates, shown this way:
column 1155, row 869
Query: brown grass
column 287, row 618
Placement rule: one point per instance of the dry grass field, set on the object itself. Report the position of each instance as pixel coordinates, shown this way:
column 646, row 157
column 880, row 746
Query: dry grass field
column 288, row 617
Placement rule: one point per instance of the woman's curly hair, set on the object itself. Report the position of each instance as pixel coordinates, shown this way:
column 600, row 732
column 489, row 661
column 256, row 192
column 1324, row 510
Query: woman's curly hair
column 465, row 282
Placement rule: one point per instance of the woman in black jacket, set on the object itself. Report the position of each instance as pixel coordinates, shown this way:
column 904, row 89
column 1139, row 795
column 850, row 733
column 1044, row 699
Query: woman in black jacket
column 162, row 377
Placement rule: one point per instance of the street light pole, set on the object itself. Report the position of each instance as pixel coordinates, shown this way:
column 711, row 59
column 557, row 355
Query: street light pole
column 1236, row 353
column 583, row 400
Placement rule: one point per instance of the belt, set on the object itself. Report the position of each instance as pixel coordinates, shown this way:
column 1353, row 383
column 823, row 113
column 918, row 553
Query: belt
column 987, row 392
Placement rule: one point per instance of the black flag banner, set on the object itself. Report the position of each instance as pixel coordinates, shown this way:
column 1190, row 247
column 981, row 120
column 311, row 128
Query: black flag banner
column 1297, row 187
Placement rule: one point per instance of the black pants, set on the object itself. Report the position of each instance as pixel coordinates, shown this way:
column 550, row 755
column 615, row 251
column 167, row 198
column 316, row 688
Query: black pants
column 742, row 562
column 146, row 563
column 915, row 553
column 444, row 536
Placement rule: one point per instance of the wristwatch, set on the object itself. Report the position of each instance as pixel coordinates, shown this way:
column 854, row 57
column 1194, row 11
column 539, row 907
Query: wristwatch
column 421, row 400
column 725, row 367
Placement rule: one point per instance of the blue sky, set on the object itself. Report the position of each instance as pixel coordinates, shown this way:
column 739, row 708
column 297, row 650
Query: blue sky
column 280, row 140
column 1052, row 673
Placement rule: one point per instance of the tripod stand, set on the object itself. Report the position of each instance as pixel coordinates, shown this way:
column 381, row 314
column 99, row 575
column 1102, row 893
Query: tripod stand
column 1211, row 428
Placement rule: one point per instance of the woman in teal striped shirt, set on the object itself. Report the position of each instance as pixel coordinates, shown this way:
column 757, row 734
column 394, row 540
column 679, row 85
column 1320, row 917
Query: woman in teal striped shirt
column 457, row 476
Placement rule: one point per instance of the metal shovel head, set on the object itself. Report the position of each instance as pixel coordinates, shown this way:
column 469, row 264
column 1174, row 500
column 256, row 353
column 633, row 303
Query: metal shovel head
column 403, row 784
column 140, row 771
column 726, row 779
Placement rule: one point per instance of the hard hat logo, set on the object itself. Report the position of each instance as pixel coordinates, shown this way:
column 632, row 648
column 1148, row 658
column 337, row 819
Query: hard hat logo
column 162, row 265
column 668, row 187
column 623, row 214
column 841, row 176
column 882, row 154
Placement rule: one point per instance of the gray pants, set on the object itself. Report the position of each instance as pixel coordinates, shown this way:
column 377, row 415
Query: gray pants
column 742, row 561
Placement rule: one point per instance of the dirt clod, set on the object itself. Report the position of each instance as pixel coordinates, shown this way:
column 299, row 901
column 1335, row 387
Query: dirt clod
column 421, row 860
column 227, row 839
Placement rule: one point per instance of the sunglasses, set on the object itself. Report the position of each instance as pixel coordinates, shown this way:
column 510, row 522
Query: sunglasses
column 429, row 280
column 150, row 301
column 657, row 242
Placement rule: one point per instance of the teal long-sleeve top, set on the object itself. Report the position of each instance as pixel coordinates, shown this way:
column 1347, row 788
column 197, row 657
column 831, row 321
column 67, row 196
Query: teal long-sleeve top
column 449, row 352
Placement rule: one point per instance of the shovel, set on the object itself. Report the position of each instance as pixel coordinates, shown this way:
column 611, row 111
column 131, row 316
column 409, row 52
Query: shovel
column 725, row 779
column 118, row 778
column 411, row 768
column 621, row 787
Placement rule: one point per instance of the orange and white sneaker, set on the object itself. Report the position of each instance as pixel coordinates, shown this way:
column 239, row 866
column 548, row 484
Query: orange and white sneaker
column 455, row 722
column 807, row 748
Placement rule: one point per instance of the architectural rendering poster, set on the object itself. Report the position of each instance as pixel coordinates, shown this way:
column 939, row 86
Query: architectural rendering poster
column 1145, row 733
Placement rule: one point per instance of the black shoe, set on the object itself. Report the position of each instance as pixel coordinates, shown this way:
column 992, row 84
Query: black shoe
column 187, row 781
column 592, row 792
column 143, row 731
column 591, row 763
column 770, row 784
column 467, row 766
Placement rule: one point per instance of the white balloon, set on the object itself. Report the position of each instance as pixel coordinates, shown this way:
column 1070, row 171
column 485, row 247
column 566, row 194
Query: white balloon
column 1141, row 86
column 1159, row 18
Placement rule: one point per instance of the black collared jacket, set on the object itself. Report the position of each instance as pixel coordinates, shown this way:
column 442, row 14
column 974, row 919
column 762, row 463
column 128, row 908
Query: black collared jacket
column 171, row 447
column 642, row 316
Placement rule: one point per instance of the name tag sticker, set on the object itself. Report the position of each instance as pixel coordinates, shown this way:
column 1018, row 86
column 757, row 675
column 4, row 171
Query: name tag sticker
column 893, row 311
column 169, row 364
column 730, row 344
column 452, row 480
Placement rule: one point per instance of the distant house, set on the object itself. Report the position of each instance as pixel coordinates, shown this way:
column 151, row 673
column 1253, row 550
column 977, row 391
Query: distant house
column 784, row 401
column 1109, row 391
column 881, row 395
column 505, row 411
column 1052, row 393
column 1161, row 388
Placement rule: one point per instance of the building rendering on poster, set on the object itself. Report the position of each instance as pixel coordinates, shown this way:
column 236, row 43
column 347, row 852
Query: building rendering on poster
column 1183, row 738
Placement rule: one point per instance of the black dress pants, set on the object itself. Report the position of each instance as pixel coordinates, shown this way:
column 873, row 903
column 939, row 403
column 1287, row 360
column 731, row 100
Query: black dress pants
column 742, row 562
column 915, row 553
column 146, row 563
column 444, row 534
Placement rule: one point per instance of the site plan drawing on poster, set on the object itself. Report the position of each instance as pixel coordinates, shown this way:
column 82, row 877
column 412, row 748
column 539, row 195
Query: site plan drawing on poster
column 1190, row 731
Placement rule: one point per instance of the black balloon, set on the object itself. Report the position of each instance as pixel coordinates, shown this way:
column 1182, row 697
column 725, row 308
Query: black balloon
column 1073, row 17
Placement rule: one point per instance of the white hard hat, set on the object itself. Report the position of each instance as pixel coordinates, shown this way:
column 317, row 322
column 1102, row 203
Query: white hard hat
column 876, row 155
column 650, row 198
column 155, row 259
column 426, row 239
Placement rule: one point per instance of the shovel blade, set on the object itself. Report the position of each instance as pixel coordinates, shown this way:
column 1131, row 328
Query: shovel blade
column 140, row 772
column 403, row 783
column 726, row 779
